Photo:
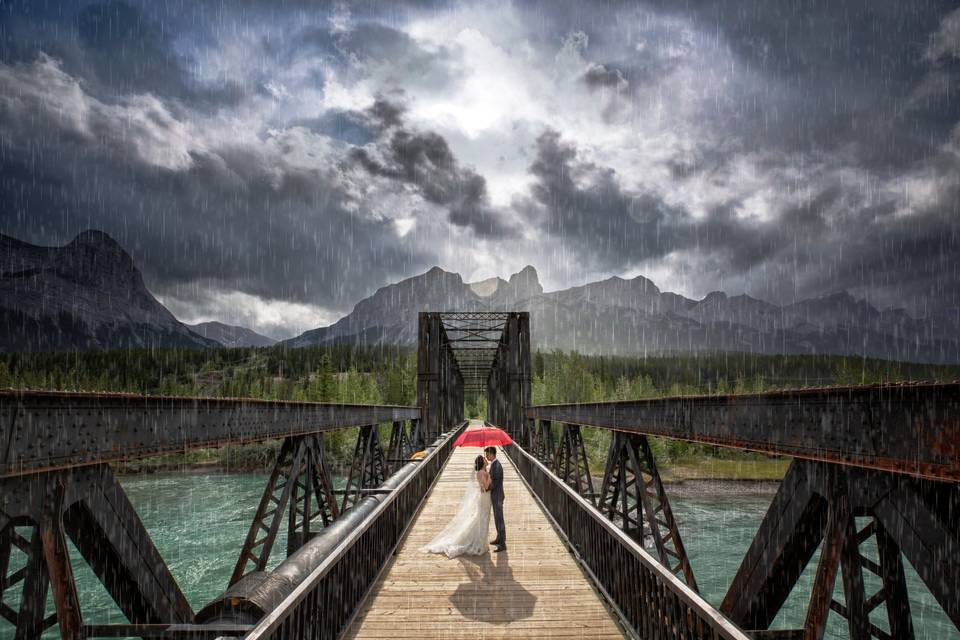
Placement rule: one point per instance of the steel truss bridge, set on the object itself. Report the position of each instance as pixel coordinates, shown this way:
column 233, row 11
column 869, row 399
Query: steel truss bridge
column 874, row 482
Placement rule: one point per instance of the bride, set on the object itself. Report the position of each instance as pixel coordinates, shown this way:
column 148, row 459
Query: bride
column 467, row 532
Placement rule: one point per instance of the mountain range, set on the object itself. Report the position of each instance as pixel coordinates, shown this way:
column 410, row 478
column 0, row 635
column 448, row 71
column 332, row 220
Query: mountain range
column 634, row 317
column 89, row 294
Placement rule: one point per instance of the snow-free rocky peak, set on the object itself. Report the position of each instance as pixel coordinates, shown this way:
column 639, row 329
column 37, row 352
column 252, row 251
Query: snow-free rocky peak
column 86, row 294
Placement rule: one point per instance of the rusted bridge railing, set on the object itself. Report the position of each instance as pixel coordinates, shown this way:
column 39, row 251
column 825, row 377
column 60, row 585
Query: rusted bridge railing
column 888, row 455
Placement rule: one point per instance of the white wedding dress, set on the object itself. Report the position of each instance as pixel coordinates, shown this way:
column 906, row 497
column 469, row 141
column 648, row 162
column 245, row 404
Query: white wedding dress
column 467, row 532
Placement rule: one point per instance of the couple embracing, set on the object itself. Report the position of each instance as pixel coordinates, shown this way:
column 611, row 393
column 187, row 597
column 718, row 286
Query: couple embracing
column 467, row 532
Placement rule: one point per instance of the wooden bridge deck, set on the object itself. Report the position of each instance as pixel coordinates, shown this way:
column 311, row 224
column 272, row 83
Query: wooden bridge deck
column 535, row 589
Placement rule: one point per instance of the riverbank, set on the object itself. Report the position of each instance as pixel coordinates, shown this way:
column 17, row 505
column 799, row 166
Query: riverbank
column 707, row 468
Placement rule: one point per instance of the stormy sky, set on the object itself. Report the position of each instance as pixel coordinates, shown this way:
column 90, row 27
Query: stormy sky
column 270, row 163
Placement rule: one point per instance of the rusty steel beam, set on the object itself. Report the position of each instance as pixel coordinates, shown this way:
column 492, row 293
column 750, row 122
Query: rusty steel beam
column 822, row 503
column 911, row 429
column 46, row 431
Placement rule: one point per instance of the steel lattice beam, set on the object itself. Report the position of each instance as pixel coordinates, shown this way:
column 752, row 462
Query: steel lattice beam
column 45, row 431
column 910, row 429
column 633, row 496
column 368, row 469
column 819, row 502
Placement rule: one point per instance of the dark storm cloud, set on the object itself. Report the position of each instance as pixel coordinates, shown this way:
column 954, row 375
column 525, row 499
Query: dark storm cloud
column 841, row 75
column 240, row 216
column 836, row 109
column 861, row 77
column 115, row 47
column 600, row 76
column 423, row 160
column 830, row 241
column 587, row 206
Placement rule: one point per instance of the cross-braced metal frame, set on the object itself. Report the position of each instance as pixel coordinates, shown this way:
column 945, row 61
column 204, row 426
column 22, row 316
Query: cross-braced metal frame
column 39, row 512
column 863, row 521
column 53, row 489
column 474, row 351
column 540, row 441
column 874, row 485
column 632, row 495
column 571, row 463
column 400, row 447
column 368, row 468
column 301, row 484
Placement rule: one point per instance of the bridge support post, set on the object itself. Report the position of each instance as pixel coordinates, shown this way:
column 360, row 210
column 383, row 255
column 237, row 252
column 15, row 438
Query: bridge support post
column 543, row 448
column 56, row 556
column 571, row 464
column 417, row 442
column 399, row 449
column 367, row 470
column 847, row 509
column 632, row 495
column 451, row 391
column 31, row 619
column 524, row 376
column 311, row 496
column 300, row 485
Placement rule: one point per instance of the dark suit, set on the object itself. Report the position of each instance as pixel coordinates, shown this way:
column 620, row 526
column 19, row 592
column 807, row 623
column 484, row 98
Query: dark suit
column 496, row 497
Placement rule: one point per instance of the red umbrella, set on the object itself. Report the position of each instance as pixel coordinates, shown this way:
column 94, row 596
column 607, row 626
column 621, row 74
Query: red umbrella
column 483, row 437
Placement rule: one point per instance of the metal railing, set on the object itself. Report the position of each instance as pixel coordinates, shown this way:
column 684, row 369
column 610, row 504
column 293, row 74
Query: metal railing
column 325, row 603
column 651, row 601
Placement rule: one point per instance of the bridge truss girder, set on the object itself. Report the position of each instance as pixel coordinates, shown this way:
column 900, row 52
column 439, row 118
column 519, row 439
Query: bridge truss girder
column 300, row 486
column 440, row 384
column 474, row 351
column 540, row 441
column 509, row 381
column 42, row 429
column 52, row 489
column 368, row 469
column 632, row 496
column 88, row 506
column 847, row 512
column 570, row 462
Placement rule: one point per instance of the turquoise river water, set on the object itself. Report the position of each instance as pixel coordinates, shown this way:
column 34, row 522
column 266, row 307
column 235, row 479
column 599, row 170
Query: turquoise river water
column 198, row 521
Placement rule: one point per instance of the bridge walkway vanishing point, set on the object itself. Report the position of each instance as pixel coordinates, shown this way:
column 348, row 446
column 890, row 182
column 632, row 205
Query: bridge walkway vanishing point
column 534, row 589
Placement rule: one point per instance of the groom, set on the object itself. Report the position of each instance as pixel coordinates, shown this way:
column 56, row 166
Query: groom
column 496, row 497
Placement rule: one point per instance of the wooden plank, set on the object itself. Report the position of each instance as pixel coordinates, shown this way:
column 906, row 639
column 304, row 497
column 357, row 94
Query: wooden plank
column 534, row 589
